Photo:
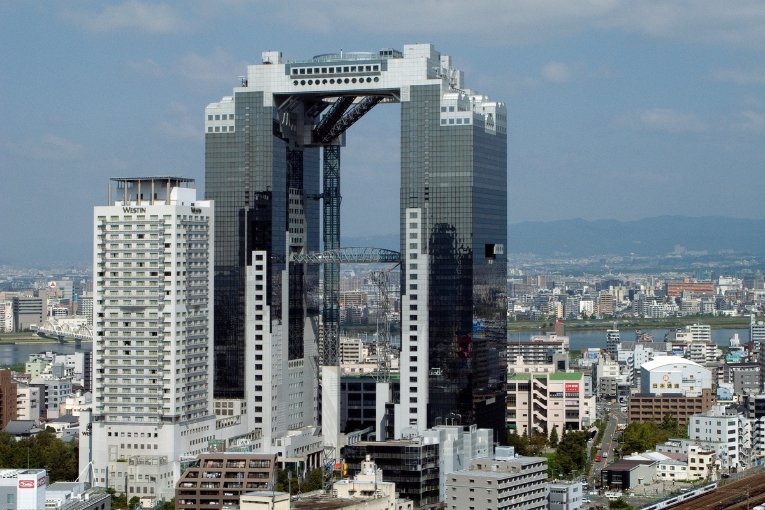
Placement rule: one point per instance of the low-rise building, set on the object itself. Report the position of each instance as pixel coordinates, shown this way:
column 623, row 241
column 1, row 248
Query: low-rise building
column 503, row 482
column 627, row 474
column 565, row 495
column 217, row 480
column 411, row 464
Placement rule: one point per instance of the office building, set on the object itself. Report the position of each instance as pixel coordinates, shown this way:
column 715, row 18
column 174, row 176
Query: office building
column 411, row 464
column 216, row 480
column 29, row 311
column 262, row 157
column 500, row 483
column 612, row 343
column 718, row 425
column 152, row 330
column 656, row 407
column 541, row 402
column 757, row 341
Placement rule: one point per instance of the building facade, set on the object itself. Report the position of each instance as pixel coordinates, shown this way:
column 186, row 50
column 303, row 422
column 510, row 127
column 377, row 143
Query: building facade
column 500, row 483
column 543, row 402
column 152, row 330
column 217, row 480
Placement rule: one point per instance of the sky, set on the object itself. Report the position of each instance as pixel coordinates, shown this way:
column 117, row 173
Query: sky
column 617, row 109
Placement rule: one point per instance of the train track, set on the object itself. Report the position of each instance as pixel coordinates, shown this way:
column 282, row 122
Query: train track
column 741, row 494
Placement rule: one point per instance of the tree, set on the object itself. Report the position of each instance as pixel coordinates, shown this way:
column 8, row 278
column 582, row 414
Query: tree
column 620, row 504
column 554, row 437
column 134, row 502
column 572, row 452
column 43, row 451
column 520, row 443
column 537, row 443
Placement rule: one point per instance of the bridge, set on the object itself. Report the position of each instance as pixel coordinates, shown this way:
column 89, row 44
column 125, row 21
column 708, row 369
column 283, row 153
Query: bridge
column 66, row 329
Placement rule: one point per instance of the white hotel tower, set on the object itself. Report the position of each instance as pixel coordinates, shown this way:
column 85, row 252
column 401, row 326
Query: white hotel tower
column 152, row 330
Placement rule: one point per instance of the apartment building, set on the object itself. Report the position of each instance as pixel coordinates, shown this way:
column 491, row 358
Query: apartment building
column 500, row 483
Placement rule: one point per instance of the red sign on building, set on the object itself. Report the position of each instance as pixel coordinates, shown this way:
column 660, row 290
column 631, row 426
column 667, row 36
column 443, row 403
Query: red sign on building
column 572, row 387
column 26, row 484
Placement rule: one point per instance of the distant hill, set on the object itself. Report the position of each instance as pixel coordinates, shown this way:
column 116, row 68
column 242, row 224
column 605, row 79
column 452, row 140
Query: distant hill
column 650, row 236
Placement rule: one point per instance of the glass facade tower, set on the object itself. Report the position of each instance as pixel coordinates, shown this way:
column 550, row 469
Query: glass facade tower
column 263, row 170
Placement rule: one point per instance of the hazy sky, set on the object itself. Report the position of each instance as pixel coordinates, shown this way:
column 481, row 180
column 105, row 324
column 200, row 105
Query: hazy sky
column 617, row 108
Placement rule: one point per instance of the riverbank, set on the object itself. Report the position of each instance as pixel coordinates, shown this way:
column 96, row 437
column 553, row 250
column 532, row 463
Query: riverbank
column 22, row 338
column 632, row 323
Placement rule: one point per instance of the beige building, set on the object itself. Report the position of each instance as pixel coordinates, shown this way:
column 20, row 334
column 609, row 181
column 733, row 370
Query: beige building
column 544, row 401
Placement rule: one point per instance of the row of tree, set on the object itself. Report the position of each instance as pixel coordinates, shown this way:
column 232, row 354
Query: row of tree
column 642, row 436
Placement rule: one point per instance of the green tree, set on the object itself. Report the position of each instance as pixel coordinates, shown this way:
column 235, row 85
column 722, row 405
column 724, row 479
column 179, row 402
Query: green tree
column 134, row 502
column 554, row 437
column 44, row 451
column 553, row 466
column 620, row 504
column 572, row 452
column 520, row 443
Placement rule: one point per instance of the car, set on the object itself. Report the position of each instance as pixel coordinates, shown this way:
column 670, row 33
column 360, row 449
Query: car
column 605, row 455
column 586, row 500
column 725, row 475
column 598, row 458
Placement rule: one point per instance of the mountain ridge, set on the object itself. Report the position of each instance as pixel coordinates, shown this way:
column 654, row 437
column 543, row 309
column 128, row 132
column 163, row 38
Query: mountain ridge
column 653, row 236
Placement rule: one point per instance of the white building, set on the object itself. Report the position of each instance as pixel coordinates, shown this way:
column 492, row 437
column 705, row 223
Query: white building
column 6, row 316
column 500, row 483
column 53, row 391
column 28, row 402
column 633, row 355
column 457, row 447
column 565, row 495
column 673, row 375
column 718, row 426
column 152, row 330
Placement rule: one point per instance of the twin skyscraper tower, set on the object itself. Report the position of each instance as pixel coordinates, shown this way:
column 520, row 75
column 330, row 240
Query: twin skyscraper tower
column 272, row 168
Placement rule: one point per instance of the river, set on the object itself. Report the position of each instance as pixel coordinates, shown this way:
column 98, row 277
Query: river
column 10, row 354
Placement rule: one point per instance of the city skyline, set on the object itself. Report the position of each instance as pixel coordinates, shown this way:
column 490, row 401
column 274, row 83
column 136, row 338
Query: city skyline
column 615, row 110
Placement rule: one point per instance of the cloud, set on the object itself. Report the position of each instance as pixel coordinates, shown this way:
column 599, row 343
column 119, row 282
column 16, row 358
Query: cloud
column 181, row 123
column 556, row 72
column 751, row 121
column 741, row 76
column 219, row 67
column 147, row 67
column 666, row 120
column 154, row 18
column 50, row 147
column 498, row 22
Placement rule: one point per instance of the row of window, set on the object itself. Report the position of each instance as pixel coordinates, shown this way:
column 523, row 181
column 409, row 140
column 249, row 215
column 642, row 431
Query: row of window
column 339, row 81
column 296, row 71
